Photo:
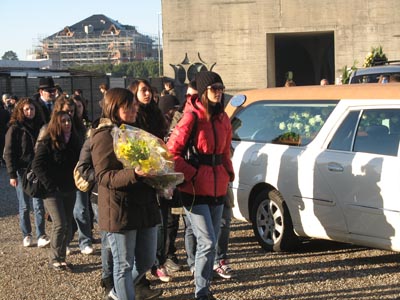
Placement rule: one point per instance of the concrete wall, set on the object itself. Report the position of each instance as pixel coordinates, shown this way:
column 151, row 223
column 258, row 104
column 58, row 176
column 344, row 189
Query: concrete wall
column 233, row 33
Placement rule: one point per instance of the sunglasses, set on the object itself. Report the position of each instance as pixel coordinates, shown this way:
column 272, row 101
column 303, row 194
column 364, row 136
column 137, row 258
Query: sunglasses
column 216, row 87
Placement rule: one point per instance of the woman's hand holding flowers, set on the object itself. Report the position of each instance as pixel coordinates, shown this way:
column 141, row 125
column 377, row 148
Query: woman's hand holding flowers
column 148, row 156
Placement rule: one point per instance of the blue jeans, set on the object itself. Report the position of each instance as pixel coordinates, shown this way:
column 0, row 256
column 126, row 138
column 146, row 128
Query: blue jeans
column 223, row 237
column 95, row 209
column 162, row 234
column 24, row 212
column 206, row 221
column 82, row 220
column 134, row 253
column 106, row 257
column 222, row 242
column 190, row 243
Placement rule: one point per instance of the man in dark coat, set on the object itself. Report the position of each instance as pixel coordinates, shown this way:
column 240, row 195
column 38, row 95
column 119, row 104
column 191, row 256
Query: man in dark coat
column 46, row 97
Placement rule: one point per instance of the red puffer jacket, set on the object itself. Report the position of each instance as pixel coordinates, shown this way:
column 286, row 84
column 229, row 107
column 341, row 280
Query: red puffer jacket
column 212, row 137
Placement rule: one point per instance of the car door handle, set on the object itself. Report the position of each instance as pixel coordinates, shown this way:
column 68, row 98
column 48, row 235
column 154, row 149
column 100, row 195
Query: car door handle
column 335, row 167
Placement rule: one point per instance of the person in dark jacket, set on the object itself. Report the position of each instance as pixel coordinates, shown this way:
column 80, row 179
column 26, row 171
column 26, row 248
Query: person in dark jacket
column 169, row 88
column 151, row 118
column 204, row 190
column 168, row 105
column 18, row 152
column 54, row 162
column 81, row 212
column 45, row 97
column 9, row 102
column 4, row 119
column 128, row 209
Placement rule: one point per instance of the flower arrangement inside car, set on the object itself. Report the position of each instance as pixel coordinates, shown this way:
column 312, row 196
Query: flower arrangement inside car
column 300, row 126
column 137, row 148
column 288, row 138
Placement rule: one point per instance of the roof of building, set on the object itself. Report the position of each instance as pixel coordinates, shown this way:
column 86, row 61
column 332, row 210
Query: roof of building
column 96, row 24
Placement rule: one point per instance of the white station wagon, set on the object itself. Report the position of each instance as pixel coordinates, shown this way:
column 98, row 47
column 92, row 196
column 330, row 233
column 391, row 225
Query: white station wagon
column 319, row 162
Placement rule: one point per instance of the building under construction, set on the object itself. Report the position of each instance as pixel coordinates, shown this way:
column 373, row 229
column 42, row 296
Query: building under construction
column 97, row 40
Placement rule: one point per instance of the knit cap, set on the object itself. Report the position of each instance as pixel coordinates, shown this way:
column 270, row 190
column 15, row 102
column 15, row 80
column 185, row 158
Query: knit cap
column 205, row 79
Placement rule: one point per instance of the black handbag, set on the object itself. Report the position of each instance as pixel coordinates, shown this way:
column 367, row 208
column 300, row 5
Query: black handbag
column 31, row 184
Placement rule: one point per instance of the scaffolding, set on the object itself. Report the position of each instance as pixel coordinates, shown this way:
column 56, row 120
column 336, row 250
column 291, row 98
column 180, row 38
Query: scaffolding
column 67, row 49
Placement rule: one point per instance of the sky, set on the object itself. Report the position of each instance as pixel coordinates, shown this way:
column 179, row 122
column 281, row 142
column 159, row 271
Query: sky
column 24, row 22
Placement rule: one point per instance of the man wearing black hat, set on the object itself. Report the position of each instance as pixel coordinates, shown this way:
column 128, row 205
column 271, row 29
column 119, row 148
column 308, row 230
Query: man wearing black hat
column 47, row 94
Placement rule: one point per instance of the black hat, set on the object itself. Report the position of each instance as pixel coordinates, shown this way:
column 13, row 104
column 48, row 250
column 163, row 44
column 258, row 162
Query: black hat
column 46, row 83
column 205, row 79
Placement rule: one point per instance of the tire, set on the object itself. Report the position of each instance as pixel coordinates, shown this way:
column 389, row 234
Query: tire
column 271, row 222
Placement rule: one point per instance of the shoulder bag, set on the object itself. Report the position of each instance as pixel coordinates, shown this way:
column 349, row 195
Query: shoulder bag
column 31, row 184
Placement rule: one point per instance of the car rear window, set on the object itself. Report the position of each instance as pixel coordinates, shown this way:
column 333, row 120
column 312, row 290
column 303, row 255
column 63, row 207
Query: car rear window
column 281, row 122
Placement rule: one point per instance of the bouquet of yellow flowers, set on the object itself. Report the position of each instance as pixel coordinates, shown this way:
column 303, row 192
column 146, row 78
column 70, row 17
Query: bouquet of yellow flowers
column 137, row 148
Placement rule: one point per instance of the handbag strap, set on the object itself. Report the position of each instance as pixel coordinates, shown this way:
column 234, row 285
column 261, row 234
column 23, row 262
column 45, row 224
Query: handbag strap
column 191, row 140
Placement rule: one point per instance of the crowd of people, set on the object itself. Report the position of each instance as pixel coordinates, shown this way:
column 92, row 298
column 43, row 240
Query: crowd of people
column 51, row 133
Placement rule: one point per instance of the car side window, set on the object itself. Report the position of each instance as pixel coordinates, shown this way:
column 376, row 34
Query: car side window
column 378, row 132
column 281, row 122
column 343, row 138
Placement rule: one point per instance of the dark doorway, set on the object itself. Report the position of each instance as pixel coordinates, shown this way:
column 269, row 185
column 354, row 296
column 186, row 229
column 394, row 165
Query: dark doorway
column 310, row 56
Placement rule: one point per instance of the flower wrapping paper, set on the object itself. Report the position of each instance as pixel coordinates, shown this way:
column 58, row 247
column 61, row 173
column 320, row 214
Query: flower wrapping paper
column 136, row 148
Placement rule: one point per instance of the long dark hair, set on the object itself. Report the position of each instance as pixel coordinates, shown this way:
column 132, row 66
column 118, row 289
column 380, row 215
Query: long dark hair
column 18, row 115
column 212, row 110
column 134, row 86
column 85, row 115
column 54, row 129
column 149, row 117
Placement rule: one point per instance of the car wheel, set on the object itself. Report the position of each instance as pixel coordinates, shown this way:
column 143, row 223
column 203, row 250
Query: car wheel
column 272, row 224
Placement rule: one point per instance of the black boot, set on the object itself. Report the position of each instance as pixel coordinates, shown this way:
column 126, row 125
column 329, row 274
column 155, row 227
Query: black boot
column 107, row 284
column 144, row 292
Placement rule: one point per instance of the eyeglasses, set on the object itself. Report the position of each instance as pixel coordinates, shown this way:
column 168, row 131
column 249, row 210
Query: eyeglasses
column 216, row 87
column 50, row 90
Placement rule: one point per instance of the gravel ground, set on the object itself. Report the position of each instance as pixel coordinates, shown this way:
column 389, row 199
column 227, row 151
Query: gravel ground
column 319, row 270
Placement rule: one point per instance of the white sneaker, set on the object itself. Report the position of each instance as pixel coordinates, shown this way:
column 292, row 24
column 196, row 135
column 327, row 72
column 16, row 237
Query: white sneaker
column 87, row 250
column 223, row 269
column 111, row 295
column 43, row 241
column 27, row 242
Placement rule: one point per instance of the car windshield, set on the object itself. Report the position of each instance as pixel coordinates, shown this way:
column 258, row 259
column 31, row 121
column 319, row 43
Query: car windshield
column 281, row 122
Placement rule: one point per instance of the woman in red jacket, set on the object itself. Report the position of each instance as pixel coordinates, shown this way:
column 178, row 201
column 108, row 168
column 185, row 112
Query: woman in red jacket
column 206, row 180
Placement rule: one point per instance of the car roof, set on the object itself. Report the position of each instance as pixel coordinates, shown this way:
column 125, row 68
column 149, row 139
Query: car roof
column 317, row 92
column 377, row 70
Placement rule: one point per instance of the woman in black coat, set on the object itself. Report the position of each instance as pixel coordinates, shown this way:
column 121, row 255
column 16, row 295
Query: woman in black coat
column 18, row 153
column 151, row 119
column 54, row 162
